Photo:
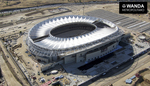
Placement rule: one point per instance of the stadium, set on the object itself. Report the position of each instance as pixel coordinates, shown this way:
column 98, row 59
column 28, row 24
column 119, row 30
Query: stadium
column 72, row 39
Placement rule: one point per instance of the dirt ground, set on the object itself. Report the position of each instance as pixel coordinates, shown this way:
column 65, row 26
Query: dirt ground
column 30, row 64
column 76, row 10
column 144, row 83
column 130, row 75
column 9, row 4
column 10, row 81
column 121, row 81
column 7, row 73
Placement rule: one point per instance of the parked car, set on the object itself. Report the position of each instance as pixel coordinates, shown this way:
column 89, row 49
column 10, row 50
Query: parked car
column 54, row 72
column 48, row 74
column 56, row 78
column 42, row 80
column 61, row 76
column 38, row 73
column 34, row 78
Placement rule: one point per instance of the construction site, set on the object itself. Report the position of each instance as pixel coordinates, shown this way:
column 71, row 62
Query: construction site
column 19, row 67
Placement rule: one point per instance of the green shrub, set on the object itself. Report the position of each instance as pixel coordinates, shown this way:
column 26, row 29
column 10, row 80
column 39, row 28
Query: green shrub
column 1, row 15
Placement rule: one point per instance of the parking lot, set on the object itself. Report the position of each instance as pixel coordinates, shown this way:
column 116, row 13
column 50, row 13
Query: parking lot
column 123, row 21
column 48, row 76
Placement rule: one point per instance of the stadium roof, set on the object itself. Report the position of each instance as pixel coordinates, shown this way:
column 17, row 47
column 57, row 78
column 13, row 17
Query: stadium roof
column 51, row 42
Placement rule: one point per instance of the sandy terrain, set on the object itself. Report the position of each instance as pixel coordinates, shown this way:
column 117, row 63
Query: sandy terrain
column 76, row 10
column 10, row 79
column 7, row 4
column 31, row 66
column 19, row 75
column 122, row 81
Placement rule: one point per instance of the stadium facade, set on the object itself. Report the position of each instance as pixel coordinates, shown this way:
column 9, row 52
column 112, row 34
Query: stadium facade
column 72, row 39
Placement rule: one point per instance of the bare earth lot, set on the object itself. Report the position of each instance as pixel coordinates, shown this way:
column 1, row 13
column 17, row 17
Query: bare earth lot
column 76, row 10
column 9, row 4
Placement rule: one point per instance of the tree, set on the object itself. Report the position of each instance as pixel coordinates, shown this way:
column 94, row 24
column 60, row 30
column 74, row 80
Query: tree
column 20, row 32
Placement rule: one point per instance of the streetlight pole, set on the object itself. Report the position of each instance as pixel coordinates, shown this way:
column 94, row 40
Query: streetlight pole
column 83, row 10
column 83, row 7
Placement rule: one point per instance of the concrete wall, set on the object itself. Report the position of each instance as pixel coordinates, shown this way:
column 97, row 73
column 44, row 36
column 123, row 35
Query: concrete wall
column 80, row 59
column 69, row 59
column 59, row 62
column 93, row 55
column 82, row 56
column 54, row 58
column 50, row 65
column 46, row 67
column 98, row 54
column 43, row 59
